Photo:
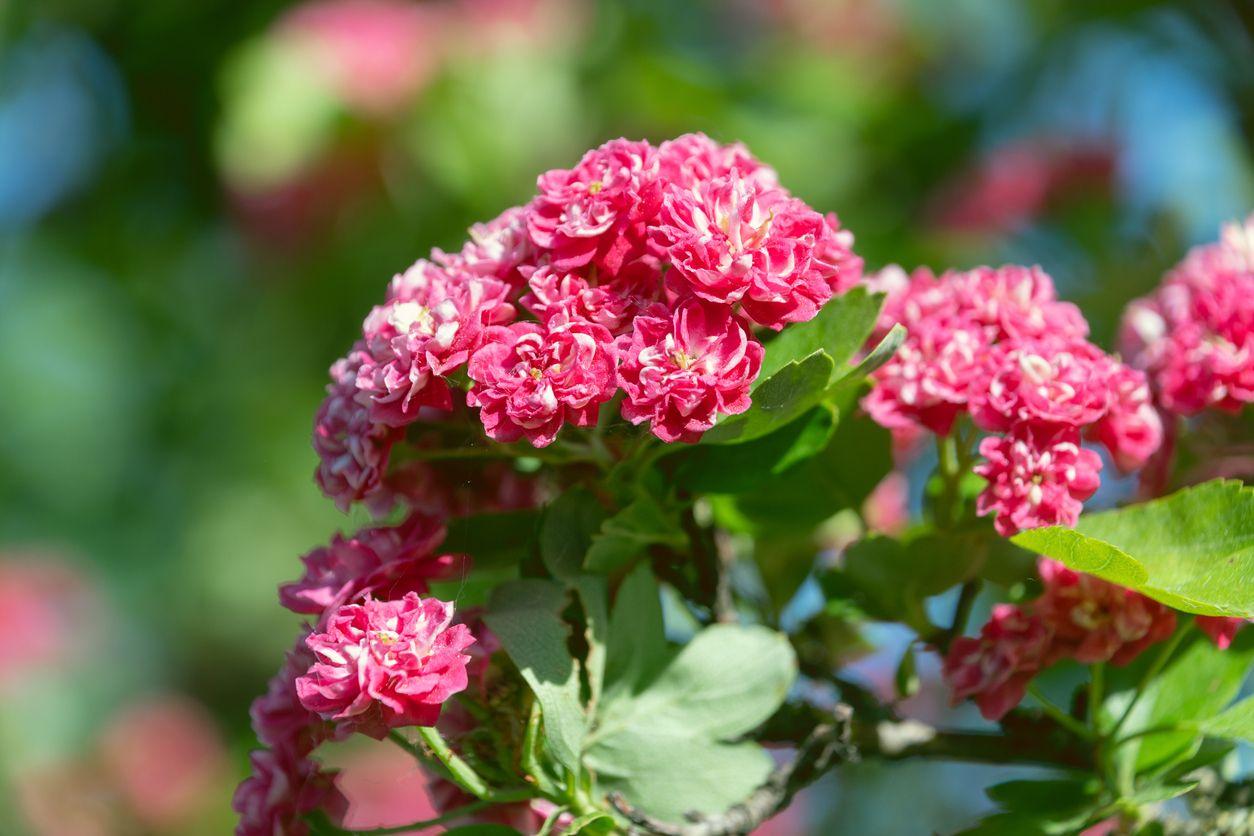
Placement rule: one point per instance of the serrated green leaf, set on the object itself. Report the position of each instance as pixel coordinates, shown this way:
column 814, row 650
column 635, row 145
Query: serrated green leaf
column 889, row 579
column 482, row 830
column 637, row 650
column 780, row 399
column 1199, row 682
column 1236, row 723
column 840, row 328
column 666, row 745
column 566, row 533
column 1193, row 550
column 878, row 356
column 729, row 469
column 643, row 523
column 1047, row 796
column 526, row 616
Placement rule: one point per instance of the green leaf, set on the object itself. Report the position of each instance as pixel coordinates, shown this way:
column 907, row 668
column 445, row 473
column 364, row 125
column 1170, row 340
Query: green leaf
column 526, row 616
column 1193, row 550
column 877, row 357
column 482, row 830
column 780, row 399
column 495, row 539
column 637, row 650
column 889, row 579
column 727, row 469
column 814, row 490
column 595, row 820
column 642, row 523
column 591, row 590
column 566, row 533
column 668, row 746
column 1047, row 796
column 840, row 328
column 1237, row 723
column 906, row 679
column 1199, row 682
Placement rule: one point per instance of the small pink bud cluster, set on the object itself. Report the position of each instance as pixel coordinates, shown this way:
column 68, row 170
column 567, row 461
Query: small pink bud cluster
column 380, row 657
column 996, row 344
column 1194, row 335
column 1077, row 617
column 643, row 270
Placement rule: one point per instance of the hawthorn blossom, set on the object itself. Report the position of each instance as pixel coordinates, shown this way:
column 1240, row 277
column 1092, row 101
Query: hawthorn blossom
column 1051, row 381
column 1093, row 620
column 386, row 560
column 598, row 210
column 432, row 322
column 729, row 240
column 613, row 304
column 694, row 158
column 996, row 667
column 681, row 371
column 280, row 791
column 953, row 324
column 495, row 249
column 1132, row 429
column 1220, row 629
column 929, row 380
column 385, row 664
column 352, row 448
column 1195, row 334
column 1036, row 477
column 529, row 380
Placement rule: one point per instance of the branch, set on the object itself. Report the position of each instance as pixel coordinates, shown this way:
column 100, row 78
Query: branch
column 826, row 746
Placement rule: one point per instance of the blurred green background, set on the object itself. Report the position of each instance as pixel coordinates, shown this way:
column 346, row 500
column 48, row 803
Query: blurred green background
column 199, row 201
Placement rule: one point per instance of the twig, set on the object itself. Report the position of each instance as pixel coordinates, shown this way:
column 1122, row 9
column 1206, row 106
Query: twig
column 826, row 746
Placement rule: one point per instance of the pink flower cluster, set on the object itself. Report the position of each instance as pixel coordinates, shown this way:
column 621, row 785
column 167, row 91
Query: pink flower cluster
column 368, row 666
column 644, row 269
column 1077, row 617
column 997, row 345
column 1194, row 335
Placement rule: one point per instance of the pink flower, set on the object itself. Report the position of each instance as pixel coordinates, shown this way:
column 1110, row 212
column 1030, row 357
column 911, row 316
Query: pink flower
column 597, row 211
column 1049, row 380
column 432, row 322
column 1132, row 430
column 929, row 380
column 961, row 328
column 691, row 159
column 1195, row 334
column 278, row 718
column 385, row 664
column 352, row 448
column 1096, row 621
column 613, row 304
column 1036, row 477
column 1221, row 630
column 729, row 240
column 495, row 249
column 682, row 371
column 280, row 791
column 380, row 560
column 530, row 380
column 996, row 668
